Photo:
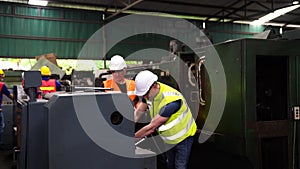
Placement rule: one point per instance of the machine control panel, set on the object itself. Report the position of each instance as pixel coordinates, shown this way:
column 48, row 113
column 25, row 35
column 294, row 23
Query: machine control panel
column 296, row 112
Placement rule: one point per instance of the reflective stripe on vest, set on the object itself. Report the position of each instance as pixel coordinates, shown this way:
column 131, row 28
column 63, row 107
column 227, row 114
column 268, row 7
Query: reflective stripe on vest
column 174, row 122
column 165, row 94
column 47, row 88
column 130, row 93
column 180, row 133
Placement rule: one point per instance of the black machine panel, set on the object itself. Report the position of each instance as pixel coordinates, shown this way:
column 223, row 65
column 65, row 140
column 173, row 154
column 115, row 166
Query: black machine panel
column 274, row 152
column 272, row 110
column 271, row 91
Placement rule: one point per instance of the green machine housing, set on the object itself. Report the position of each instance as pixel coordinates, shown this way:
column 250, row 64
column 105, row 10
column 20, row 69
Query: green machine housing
column 262, row 88
column 258, row 122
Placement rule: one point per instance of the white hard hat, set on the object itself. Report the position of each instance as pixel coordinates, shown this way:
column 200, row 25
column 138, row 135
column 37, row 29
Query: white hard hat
column 143, row 82
column 117, row 63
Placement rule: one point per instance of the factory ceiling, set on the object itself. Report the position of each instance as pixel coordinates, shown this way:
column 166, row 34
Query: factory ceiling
column 209, row 10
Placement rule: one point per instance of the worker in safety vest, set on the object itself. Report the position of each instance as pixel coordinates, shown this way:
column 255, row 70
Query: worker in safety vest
column 3, row 90
column 48, row 85
column 170, row 116
column 118, row 82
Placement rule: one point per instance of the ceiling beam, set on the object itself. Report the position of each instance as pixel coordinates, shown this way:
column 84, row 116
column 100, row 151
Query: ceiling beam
column 226, row 9
column 123, row 9
column 291, row 22
column 186, row 4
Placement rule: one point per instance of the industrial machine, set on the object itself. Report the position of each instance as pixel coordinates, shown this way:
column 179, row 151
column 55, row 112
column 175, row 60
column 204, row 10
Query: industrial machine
column 259, row 125
column 260, row 122
column 78, row 130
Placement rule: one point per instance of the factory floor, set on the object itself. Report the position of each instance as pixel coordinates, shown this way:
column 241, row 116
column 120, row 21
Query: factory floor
column 202, row 156
column 207, row 156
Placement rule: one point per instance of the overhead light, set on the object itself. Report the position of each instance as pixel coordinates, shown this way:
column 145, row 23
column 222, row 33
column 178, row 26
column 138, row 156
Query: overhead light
column 269, row 23
column 281, row 30
column 38, row 2
column 295, row 2
column 293, row 26
column 274, row 14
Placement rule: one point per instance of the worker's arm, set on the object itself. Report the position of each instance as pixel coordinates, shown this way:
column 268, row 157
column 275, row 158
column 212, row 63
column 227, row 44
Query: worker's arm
column 58, row 85
column 159, row 119
column 136, row 101
column 11, row 96
column 7, row 93
column 140, row 110
column 150, row 128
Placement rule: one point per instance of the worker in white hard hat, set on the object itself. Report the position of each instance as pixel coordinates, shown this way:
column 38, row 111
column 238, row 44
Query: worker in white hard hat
column 170, row 116
column 5, row 91
column 118, row 82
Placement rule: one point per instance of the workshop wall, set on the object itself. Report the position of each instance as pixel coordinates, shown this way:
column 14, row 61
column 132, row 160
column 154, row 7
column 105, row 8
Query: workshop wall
column 29, row 31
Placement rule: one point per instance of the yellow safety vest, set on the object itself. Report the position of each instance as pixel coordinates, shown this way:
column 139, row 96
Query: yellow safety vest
column 181, row 124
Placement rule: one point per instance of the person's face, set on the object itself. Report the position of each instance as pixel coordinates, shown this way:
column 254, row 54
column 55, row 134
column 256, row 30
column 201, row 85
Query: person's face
column 151, row 93
column 118, row 75
column 1, row 77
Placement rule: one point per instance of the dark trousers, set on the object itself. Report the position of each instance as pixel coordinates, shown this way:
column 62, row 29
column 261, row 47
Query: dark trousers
column 178, row 156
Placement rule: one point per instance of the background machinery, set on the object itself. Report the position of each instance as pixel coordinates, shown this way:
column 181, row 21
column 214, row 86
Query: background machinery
column 259, row 127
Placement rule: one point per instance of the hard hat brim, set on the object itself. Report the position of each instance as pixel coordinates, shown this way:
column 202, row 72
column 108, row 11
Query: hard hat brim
column 142, row 93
